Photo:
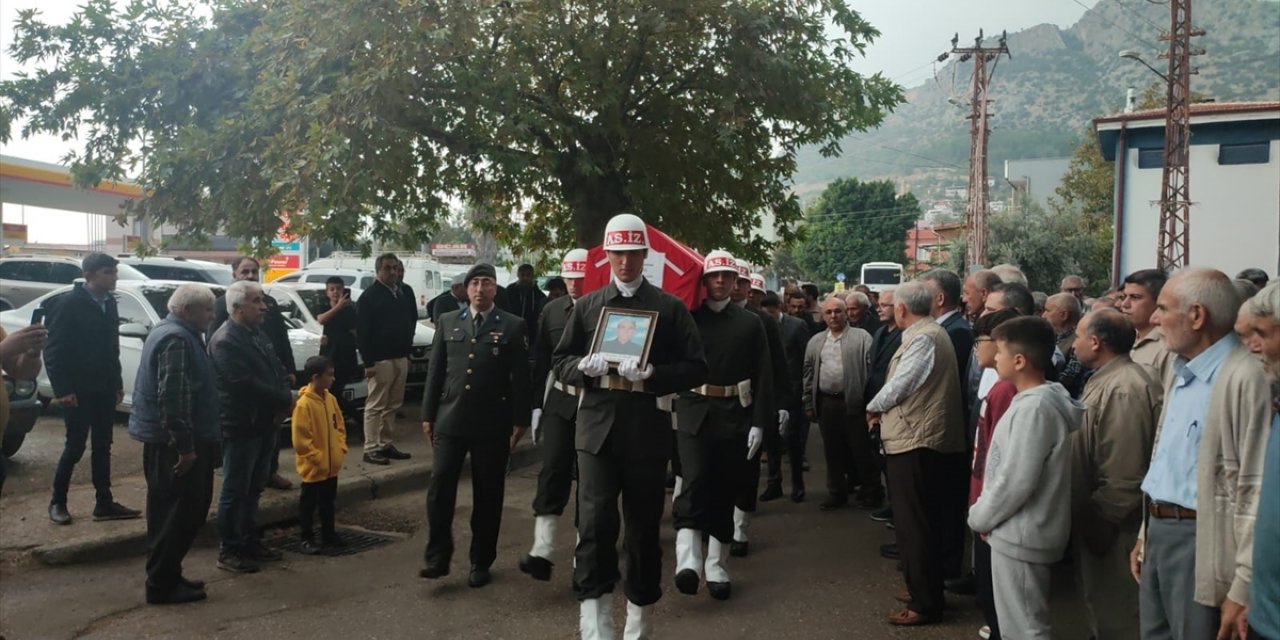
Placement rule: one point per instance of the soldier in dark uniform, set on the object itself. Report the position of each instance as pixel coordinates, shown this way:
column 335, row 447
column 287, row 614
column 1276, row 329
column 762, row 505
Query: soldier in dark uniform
column 555, row 407
column 718, row 427
column 622, row 436
column 477, row 390
column 746, row 503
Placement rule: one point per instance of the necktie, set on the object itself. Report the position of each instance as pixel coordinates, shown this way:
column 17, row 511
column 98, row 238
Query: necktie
column 478, row 321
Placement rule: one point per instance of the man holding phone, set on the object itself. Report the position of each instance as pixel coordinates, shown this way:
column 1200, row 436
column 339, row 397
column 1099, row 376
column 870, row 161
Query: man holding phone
column 83, row 359
column 339, row 340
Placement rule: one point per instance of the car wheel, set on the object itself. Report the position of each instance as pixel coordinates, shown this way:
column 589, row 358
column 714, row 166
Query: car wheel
column 12, row 442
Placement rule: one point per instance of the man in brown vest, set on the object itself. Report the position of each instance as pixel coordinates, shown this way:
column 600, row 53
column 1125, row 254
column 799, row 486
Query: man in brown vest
column 921, row 420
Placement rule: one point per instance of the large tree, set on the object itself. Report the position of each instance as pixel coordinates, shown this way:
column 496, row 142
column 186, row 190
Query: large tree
column 376, row 115
column 854, row 222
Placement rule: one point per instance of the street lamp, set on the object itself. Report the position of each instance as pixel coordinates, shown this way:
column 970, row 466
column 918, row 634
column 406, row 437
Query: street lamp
column 1134, row 55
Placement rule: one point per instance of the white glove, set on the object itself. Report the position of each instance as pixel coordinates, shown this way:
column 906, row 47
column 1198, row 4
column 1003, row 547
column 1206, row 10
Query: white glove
column 630, row 369
column 533, row 424
column 754, row 437
column 783, row 417
column 593, row 366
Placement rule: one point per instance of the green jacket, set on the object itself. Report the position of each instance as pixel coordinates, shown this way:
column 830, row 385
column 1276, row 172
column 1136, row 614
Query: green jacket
column 478, row 381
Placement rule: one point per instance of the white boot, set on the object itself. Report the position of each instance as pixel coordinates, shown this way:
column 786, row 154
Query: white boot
column 675, row 493
column 688, row 560
column 639, row 622
column 595, row 618
column 741, row 545
column 717, row 574
column 577, row 540
column 544, row 535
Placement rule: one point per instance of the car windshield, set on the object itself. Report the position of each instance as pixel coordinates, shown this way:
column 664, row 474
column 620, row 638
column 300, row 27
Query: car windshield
column 126, row 272
column 315, row 299
column 158, row 296
column 223, row 277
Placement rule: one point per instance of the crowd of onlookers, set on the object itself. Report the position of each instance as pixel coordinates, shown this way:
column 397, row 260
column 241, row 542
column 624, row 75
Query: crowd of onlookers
column 1125, row 433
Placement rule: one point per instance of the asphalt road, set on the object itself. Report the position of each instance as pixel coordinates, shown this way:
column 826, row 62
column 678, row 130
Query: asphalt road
column 811, row 575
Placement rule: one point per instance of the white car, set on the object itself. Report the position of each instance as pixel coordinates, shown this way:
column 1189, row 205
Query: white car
column 142, row 304
column 357, row 280
column 301, row 303
column 180, row 269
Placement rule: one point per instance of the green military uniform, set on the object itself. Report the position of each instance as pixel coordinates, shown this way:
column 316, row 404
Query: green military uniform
column 623, row 441
column 712, row 423
column 559, row 410
column 478, row 388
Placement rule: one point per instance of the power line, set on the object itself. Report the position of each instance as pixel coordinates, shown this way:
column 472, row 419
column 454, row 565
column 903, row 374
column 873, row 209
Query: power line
column 914, row 155
column 1142, row 39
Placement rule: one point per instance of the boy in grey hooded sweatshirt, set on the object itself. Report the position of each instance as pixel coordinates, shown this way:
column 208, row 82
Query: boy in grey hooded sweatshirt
column 1024, row 510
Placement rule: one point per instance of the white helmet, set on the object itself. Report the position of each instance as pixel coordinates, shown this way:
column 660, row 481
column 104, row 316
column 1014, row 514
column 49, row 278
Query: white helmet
column 625, row 232
column 717, row 261
column 744, row 270
column 757, row 283
column 574, row 264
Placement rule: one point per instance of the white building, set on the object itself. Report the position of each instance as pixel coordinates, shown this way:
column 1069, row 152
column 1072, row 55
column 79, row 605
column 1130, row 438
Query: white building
column 1234, row 186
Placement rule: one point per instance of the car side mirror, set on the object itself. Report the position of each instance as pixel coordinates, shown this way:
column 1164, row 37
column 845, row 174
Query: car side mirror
column 134, row 330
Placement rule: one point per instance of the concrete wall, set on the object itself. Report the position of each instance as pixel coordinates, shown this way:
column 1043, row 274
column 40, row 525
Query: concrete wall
column 1235, row 213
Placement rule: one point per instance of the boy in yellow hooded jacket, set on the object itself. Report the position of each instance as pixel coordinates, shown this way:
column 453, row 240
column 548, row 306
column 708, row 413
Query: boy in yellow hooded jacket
column 319, row 444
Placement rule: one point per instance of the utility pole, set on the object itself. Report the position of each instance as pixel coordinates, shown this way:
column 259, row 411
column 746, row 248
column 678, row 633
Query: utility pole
column 979, row 133
column 1174, row 241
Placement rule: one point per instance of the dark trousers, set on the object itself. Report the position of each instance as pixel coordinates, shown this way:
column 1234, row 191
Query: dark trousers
column 918, row 480
column 986, row 592
column 847, row 448
column 796, row 440
column 774, row 445
column 641, row 483
column 749, row 479
column 955, row 535
column 90, row 420
column 318, row 496
column 245, row 467
column 555, row 480
column 177, row 507
column 708, row 490
column 489, row 456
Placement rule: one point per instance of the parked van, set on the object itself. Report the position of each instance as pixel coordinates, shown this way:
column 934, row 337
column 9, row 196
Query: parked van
column 421, row 271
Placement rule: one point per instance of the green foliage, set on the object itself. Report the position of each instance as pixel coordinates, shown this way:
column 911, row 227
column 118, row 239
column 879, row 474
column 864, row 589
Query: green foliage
column 368, row 118
column 852, row 223
column 1049, row 245
column 1088, row 187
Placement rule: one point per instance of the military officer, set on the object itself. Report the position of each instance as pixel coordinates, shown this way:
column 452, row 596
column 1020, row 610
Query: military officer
column 555, row 407
column 717, row 429
column 750, row 478
column 477, row 391
column 622, row 437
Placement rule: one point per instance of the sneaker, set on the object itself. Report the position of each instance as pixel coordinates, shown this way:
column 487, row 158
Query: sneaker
column 376, row 457
column 114, row 511
column 58, row 514
column 883, row 515
column 259, row 552
column 984, row 632
column 235, row 563
column 277, row 481
column 311, row 548
column 392, row 453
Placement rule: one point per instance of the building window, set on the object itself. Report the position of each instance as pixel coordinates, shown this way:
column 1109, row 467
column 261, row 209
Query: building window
column 1251, row 153
column 1150, row 158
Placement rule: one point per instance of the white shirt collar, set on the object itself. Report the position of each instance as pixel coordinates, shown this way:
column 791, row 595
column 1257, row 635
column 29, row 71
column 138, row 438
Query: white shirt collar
column 475, row 311
column 943, row 318
column 717, row 305
column 628, row 289
column 741, row 303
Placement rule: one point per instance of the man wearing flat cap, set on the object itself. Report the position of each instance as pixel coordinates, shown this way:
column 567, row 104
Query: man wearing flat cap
column 477, row 401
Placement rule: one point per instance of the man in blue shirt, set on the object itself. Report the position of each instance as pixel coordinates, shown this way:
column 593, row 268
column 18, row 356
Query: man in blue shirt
column 1264, row 593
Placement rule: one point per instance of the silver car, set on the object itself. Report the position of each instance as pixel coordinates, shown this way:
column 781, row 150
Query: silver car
column 24, row 278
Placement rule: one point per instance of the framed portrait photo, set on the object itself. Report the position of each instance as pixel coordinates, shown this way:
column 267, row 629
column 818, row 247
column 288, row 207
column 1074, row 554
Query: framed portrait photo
column 625, row 334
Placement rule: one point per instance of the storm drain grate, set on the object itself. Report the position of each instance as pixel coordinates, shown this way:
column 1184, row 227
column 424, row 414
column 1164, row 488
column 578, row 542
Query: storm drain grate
column 357, row 541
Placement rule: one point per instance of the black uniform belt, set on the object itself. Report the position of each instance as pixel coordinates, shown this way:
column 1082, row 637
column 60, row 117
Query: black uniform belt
column 619, row 383
column 567, row 388
column 716, row 391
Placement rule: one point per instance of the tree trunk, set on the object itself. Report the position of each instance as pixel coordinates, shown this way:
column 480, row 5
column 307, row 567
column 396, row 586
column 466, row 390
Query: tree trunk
column 594, row 200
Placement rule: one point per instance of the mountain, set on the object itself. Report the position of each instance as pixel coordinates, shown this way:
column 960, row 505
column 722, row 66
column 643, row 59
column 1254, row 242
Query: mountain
column 1055, row 83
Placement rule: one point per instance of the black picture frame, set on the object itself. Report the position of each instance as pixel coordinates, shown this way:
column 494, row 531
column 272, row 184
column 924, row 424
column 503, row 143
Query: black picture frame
column 613, row 324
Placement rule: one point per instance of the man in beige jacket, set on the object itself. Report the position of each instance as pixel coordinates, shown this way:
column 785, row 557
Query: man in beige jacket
column 1206, row 468
column 1109, row 458
column 921, row 418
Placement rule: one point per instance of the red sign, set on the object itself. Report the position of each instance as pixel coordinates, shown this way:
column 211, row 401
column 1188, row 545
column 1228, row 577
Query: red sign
column 285, row 261
column 758, row 283
column 573, row 266
column 453, row 249
column 680, row 268
column 622, row 238
column 721, row 261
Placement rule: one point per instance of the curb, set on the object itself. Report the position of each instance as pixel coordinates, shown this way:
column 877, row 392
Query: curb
column 275, row 508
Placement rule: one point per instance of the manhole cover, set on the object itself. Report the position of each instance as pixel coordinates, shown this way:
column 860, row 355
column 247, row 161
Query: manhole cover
column 357, row 541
